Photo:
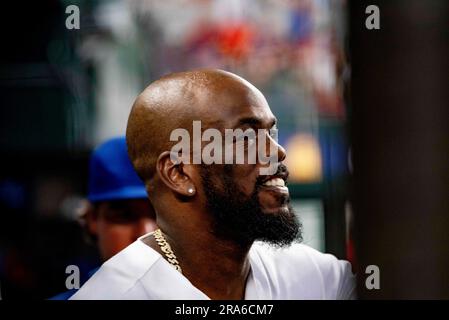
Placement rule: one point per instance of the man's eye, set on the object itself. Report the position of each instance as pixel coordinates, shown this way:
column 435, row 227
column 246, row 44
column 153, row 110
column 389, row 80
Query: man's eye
column 252, row 139
column 120, row 216
column 244, row 138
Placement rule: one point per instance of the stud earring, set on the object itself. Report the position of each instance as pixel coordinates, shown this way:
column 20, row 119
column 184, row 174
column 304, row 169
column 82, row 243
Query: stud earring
column 190, row 190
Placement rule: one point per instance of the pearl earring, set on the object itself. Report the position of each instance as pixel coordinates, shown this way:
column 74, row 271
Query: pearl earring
column 190, row 190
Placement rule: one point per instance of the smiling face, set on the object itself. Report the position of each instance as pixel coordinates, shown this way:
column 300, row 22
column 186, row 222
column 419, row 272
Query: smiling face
column 238, row 201
column 246, row 204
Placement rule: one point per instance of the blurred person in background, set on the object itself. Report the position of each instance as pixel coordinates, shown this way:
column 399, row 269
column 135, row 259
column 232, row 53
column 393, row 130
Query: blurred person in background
column 118, row 210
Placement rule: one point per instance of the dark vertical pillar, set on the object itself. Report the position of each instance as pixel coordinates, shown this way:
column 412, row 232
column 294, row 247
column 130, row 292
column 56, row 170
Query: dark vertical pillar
column 400, row 137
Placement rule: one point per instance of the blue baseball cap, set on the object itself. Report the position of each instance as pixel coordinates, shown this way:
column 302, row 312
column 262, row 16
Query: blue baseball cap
column 111, row 174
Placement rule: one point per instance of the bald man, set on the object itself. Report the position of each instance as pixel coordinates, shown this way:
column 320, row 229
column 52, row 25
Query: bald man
column 227, row 230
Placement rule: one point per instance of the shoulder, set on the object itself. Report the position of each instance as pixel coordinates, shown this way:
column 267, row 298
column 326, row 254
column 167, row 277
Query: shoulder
column 304, row 272
column 119, row 274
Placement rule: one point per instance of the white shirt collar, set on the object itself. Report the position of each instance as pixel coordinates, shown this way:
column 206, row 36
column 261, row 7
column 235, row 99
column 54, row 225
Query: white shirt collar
column 162, row 281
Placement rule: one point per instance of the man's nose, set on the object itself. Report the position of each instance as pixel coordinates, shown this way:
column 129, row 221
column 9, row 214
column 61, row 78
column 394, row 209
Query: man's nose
column 281, row 153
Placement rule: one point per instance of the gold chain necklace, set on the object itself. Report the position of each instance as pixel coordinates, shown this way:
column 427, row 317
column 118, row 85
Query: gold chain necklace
column 166, row 249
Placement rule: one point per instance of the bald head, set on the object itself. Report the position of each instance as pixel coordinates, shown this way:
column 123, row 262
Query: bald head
column 177, row 99
column 233, row 201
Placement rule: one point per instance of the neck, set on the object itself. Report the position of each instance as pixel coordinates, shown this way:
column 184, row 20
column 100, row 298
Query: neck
column 217, row 267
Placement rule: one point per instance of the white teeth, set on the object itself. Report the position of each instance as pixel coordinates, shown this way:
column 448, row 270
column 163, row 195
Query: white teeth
column 275, row 182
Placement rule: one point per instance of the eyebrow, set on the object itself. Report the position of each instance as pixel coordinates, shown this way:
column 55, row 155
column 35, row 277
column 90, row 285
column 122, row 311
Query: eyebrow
column 256, row 122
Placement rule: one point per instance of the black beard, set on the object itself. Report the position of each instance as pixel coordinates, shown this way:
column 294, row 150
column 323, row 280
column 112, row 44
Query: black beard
column 241, row 219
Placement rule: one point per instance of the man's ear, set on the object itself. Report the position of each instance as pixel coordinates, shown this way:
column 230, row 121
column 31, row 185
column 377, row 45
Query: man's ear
column 175, row 175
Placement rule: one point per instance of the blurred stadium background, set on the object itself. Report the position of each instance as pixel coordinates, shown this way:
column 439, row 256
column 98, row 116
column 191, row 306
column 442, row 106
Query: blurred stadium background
column 64, row 91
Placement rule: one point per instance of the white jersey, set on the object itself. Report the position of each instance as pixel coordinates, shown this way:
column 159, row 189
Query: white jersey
column 297, row 272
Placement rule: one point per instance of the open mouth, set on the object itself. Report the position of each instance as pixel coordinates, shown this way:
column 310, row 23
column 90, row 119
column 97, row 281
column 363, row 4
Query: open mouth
column 273, row 189
column 274, row 182
column 273, row 192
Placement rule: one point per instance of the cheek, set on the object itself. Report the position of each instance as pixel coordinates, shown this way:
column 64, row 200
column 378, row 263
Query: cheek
column 245, row 177
column 113, row 238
